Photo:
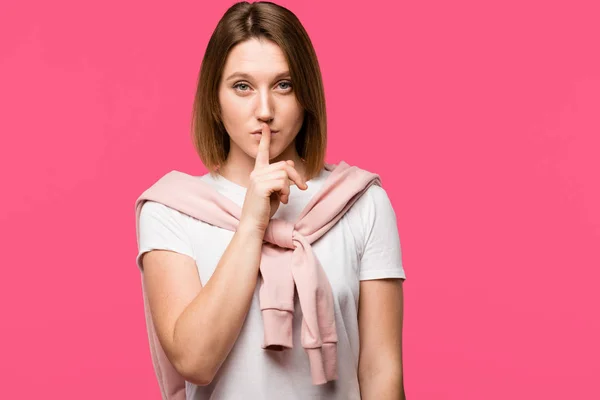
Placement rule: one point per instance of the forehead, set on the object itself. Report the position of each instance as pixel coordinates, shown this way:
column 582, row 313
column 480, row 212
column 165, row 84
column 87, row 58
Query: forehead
column 255, row 57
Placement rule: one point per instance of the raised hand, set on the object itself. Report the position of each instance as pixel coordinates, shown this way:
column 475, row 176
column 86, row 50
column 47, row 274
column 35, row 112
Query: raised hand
column 269, row 185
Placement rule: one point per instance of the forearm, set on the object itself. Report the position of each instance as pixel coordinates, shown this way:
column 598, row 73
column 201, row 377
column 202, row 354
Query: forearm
column 382, row 386
column 207, row 329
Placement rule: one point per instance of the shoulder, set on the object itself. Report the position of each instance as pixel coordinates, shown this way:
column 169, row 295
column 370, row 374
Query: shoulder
column 377, row 195
column 372, row 206
column 163, row 228
column 156, row 211
column 374, row 200
column 374, row 203
column 155, row 208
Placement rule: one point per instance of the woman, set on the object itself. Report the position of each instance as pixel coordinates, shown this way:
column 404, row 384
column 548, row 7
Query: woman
column 259, row 126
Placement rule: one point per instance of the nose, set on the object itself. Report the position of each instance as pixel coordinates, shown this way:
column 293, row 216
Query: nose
column 264, row 108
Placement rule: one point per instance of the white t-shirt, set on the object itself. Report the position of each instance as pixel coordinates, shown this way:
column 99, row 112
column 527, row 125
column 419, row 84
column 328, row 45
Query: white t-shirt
column 364, row 244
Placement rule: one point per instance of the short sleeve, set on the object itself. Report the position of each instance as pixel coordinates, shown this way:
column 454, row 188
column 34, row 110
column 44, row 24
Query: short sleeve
column 162, row 228
column 381, row 252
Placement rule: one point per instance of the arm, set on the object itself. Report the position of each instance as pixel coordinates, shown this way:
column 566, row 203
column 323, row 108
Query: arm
column 380, row 318
column 197, row 326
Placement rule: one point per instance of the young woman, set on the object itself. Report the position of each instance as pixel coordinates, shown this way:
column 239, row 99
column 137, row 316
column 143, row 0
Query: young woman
column 259, row 126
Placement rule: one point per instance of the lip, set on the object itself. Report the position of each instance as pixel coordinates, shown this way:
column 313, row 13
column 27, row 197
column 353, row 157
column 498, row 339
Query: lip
column 259, row 132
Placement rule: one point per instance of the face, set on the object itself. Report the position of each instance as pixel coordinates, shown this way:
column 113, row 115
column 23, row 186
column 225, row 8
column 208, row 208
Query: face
column 255, row 88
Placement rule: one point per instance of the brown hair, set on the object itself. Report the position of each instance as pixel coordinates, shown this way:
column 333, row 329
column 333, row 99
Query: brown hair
column 241, row 22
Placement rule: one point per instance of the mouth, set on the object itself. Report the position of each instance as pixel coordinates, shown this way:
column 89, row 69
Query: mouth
column 258, row 133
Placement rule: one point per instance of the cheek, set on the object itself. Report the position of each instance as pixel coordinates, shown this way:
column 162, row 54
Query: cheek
column 297, row 117
column 233, row 110
column 293, row 112
column 226, row 103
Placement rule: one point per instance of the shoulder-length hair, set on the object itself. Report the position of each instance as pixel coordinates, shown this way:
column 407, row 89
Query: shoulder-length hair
column 260, row 20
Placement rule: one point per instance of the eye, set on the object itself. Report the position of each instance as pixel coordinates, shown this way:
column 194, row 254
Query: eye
column 238, row 86
column 244, row 87
column 286, row 83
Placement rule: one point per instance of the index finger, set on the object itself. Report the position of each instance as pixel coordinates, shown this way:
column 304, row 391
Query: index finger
column 262, row 156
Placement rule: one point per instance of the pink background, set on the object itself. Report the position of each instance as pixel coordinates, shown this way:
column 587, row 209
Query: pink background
column 482, row 120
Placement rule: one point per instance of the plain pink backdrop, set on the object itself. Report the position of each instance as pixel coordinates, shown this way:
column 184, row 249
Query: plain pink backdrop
column 482, row 119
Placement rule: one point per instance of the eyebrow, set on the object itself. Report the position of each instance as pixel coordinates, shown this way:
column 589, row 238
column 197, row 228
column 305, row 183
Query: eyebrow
column 249, row 77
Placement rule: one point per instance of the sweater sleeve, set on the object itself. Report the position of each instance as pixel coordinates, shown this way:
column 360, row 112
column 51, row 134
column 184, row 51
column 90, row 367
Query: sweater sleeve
column 381, row 255
column 162, row 228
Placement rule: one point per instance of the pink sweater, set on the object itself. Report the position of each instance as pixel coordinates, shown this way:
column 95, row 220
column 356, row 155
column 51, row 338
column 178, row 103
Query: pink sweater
column 287, row 260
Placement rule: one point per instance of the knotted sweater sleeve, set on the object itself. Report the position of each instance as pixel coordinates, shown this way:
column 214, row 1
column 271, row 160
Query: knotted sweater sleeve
column 162, row 228
column 380, row 249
